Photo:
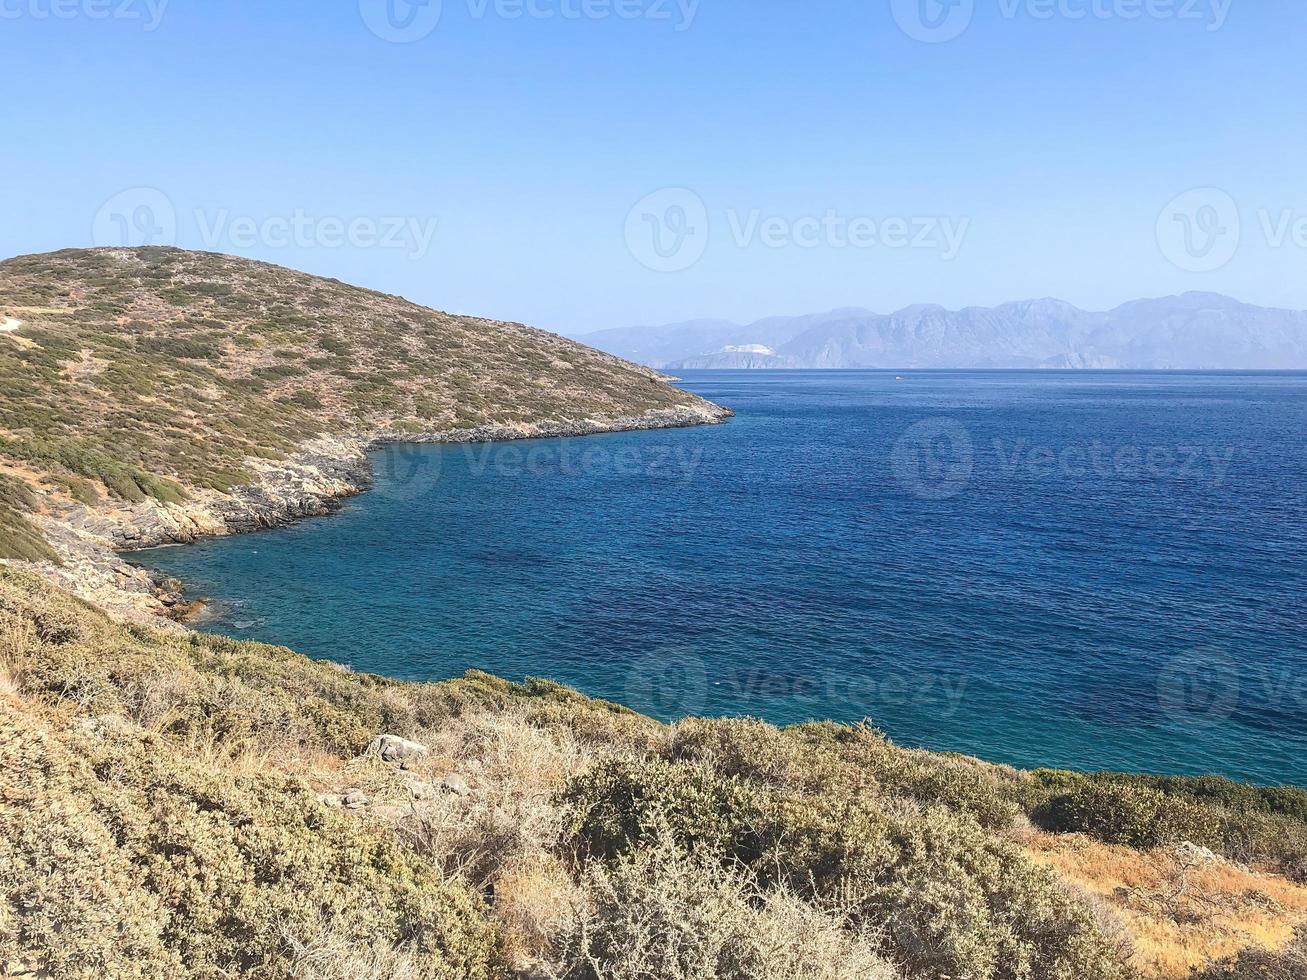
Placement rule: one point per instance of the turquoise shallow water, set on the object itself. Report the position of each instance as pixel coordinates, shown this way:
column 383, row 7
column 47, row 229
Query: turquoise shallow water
column 1090, row 570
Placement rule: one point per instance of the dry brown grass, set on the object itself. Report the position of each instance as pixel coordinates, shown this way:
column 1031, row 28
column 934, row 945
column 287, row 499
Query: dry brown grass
column 1181, row 914
column 503, row 834
column 323, row 952
column 501, row 837
column 16, row 636
column 535, row 900
column 664, row 913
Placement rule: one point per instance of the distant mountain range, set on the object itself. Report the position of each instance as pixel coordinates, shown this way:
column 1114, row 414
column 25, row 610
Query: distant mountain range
column 1195, row 331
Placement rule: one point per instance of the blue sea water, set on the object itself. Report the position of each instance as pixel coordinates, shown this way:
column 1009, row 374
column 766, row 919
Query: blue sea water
column 1086, row 570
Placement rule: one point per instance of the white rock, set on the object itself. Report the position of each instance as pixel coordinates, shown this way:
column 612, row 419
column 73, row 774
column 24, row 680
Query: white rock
column 455, row 784
column 1192, row 853
column 392, row 748
column 354, row 800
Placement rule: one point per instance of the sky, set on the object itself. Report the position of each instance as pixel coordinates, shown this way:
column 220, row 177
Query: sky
column 586, row 164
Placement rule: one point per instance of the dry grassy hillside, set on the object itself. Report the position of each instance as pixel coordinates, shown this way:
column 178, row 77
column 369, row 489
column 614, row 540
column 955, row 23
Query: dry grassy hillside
column 180, row 805
column 150, row 374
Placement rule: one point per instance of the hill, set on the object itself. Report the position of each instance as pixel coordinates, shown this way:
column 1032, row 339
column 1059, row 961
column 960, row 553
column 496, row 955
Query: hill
column 1196, row 331
column 157, row 395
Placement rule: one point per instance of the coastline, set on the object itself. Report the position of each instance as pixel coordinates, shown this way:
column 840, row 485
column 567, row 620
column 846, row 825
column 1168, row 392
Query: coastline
column 312, row 482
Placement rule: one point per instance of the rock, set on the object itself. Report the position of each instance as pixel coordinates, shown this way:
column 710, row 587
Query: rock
column 392, row 748
column 1190, row 853
column 354, row 800
column 455, row 784
column 329, row 800
column 420, row 790
column 103, row 726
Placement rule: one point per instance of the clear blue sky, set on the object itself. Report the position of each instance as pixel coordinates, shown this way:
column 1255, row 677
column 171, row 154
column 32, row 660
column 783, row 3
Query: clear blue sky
column 1060, row 140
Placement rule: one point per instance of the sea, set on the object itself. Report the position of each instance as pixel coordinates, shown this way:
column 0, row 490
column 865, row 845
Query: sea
column 1085, row 570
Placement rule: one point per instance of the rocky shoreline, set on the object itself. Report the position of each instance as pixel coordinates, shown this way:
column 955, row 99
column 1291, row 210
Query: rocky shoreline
column 311, row 483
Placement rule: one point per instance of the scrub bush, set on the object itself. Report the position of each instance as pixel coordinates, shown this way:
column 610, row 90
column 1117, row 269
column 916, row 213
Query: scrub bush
column 620, row 807
column 20, row 540
column 1135, row 816
column 120, row 857
column 1126, row 811
column 661, row 913
column 159, row 789
column 854, row 760
column 934, row 889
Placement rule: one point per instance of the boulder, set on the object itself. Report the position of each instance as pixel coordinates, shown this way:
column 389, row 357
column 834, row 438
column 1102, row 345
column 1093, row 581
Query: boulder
column 455, row 784
column 392, row 748
column 354, row 799
column 420, row 790
column 1187, row 852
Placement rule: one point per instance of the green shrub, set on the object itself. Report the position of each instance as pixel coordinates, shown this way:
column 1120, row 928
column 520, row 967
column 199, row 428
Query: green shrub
column 936, row 890
column 80, row 489
column 201, row 688
column 1285, row 801
column 854, row 761
column 186, row 348
column 16, row 494
column 124, row 480
column 1136, row 816
column 276, row 372
column 336, row 346
column 620, row 807
column 119, row 857
column 20, row 540
column 1121, row 809
column 957, row 902
column 303, row 399
column 661, row 913
column 1255, row 838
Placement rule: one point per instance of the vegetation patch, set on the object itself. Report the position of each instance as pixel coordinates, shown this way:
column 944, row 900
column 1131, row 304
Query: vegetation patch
column 20, row 540
column 197, row 349
column 1243, row 823
column 175, row 804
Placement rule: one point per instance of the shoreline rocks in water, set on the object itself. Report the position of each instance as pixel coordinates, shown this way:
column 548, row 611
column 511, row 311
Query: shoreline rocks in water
column 312, row 483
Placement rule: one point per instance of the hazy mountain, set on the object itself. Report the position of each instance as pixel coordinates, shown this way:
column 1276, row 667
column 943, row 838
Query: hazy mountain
column 663, row 345
column 1196, row 331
